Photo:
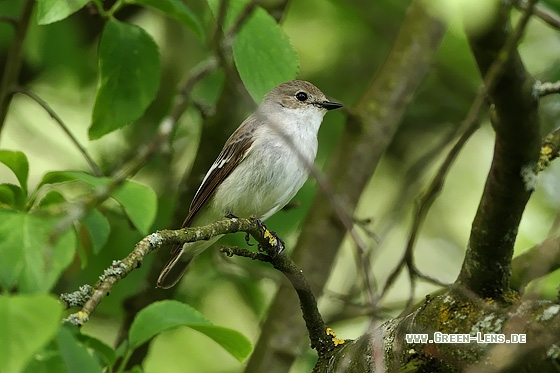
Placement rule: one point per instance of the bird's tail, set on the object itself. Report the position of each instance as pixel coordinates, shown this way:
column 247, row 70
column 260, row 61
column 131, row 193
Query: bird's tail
column 173, row 269
column 181, row 257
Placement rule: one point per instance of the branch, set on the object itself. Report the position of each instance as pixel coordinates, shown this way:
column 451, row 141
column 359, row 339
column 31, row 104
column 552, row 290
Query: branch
column 119, row 269
column 535, row 262
column 321, row 339
column 169, row 123
column 487, row 264
column 13, row 61
column 89, row 297
column 550, row 150
column 542, row 12
column 547, row 88
column 10, row 20
column 94, row 167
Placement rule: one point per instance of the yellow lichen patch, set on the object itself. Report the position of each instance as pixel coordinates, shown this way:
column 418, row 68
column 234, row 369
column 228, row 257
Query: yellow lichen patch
column 511, row 297
column 546, row 150
column 335, row 340
column 270, row 237
column 547, row 155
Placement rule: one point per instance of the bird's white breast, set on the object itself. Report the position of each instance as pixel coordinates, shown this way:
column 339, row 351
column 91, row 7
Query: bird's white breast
column 275, row 167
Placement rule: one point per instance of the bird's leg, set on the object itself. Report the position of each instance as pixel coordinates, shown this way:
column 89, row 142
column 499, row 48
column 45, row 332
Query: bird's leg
column 248, row 239
column 247, row 235
column 276, row 242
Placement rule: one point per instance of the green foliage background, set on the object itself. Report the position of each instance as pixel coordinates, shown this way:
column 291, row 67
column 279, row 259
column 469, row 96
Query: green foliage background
column 111, row 72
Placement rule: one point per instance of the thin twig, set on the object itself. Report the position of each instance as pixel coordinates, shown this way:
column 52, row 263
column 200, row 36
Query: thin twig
column 94, row 167
column 466, row 130
column 321, row 339
column 13, row 61
column 121, row 268
column 169, row 123
column 10, row 20
column 245, row 13
column 541, row 11
column 220, row 19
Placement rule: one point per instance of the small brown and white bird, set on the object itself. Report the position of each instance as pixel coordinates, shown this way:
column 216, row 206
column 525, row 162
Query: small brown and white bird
column 261, row 167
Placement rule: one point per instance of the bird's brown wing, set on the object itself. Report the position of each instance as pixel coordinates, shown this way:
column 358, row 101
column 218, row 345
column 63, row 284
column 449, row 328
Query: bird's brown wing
column 233, row 153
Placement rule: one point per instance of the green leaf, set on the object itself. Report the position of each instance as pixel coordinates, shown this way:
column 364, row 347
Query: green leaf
column 75, row 355
column 178, row 10
column 49, row 11
column 29, row 259
column 98, row 228
column 167, row 314
column 52, row 197
column 46, row 361
column 262, row 50
column 27, row 322
column 129, row 76
column 17, row 162
column 106, row 352
column 56, row 177
column 138, row 201
column 232, row 341
column 263, row 54
column 140, row 204
column 12, row 196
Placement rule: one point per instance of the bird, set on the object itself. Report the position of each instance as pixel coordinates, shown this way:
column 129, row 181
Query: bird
column 261, row 167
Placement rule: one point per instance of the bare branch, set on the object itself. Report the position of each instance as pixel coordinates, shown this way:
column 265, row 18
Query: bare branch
column 94, row 167
column 11, row 20
column 535, row 262
column 541, row 11
column 13, row 61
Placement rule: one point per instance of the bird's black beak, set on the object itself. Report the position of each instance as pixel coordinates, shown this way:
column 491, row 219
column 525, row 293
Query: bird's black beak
column 329, row 105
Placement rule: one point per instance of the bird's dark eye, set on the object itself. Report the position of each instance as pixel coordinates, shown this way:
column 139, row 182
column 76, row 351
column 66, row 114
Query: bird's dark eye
column 301, row 96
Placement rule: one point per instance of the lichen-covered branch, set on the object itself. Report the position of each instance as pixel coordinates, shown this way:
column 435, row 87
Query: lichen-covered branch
column 487, row 265
column 547, row 88
column 463, row 313
column 90, row 297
